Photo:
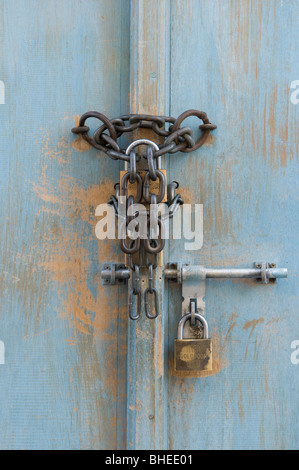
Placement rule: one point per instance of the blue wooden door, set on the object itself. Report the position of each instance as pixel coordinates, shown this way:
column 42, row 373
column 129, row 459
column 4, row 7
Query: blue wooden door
column 237, row 61
column 75, row 373
column 63, row 382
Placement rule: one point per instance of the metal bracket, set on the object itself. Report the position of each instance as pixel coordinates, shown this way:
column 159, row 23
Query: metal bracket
column 193, row 280
column 193, row 289
column 114, row 274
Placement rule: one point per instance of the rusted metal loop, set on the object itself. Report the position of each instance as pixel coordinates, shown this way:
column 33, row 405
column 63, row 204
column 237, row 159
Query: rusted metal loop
column 188, row 139
column 124, row 186
column 108, row 140
column 100, row 130
column 146, row 187
column 201, row 115
column 136, row 280
column 105, row 120
column 117, row 155
column 171, row 187
column 151, row 163
column 138, row 142
column 174, row 204
column 146, row 257
column 117, row 189
column 132, row 249
column 183, row 133
column 147, row 117
column 160, row 241
column 164, row 149
column 80, row 129
column 160, row 131
column 130, row 128
column 210, row 127
column 133, row 168
column 146, row 304
column 114, row 203
column 130, row 202
column 154, row 211
column 131, row 305
column 140, row 263
column 150, row 278
column 134, row 245
column 178, row 148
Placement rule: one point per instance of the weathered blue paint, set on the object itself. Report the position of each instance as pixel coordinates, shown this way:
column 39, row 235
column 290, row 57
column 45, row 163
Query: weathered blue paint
column 57, row 390
column 147, row 354
column 236, row 60
column 63, row 384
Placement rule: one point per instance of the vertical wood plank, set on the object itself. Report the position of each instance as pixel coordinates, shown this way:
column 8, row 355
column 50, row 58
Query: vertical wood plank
column 147, row 396
column 63, row 385
column 236, row 60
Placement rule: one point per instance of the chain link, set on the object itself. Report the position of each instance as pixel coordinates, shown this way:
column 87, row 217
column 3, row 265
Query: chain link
column 176, row 138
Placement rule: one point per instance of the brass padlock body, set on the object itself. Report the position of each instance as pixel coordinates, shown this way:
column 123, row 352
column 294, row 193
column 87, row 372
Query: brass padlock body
column 192, row 354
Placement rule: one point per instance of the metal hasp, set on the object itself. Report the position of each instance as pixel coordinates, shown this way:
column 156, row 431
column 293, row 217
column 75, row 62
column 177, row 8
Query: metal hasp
column 193, row 354
column 193, row 280
column 114, row 274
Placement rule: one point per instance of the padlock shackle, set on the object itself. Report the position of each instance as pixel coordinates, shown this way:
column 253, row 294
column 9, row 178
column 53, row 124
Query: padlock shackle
column 197, row 316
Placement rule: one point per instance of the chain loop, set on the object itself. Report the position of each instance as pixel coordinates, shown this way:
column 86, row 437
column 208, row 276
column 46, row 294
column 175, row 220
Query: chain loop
column 124, row 186
column 151, row 290
column 146, row 187
column 176, row 138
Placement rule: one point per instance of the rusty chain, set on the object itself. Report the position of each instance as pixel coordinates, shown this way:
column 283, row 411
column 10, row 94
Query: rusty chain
column 175, row 139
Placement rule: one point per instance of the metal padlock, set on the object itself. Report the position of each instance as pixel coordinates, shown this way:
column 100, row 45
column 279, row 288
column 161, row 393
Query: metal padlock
column 193, row 354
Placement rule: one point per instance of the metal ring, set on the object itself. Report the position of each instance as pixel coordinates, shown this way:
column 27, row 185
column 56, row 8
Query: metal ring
column 198, row 317
column 117, row 155
column 133, row 168
column 137, row 142
column 147, row 117
column 171, row 187
column 131, row 306
column 160, row 242
column 102, row 118
column 163, row 150
column 181, row 132
column 201, row 115
column 151, row 277
column 147, row 263
column 146, row 187
column 100, row 130
column 146, row 307
column 109, row 141
column 136, row 280
column 134, row 244
column 151, row 163
column 154, row 217
column 124, row 186
column 80, row 129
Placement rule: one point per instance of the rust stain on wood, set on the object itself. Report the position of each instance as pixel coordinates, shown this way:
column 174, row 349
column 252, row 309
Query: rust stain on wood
column 69, row 249
column 67, row 257
column 218, row 359
column 79, row 144
column 251, row 325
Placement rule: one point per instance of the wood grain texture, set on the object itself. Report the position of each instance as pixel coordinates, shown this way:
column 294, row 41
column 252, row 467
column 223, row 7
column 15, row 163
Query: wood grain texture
column 64, row 382
column 236, row 61
column 147, row 364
